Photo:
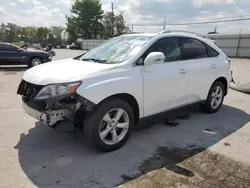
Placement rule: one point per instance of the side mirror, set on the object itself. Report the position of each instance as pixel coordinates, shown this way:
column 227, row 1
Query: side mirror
column 154, row 58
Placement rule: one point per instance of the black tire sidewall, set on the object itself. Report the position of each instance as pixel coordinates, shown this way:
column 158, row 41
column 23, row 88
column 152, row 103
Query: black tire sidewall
column 93, row 120
column 209, row 98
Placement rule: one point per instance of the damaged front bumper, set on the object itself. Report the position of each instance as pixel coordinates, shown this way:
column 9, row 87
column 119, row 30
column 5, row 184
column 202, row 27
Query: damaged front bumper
column 59, row 110
column 52, row 110
column 50, row 117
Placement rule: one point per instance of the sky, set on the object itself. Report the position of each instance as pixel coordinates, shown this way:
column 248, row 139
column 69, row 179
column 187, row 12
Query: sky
column 53, row 12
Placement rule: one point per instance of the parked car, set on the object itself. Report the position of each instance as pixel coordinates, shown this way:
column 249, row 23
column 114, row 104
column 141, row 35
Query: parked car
column 49, row 49
column 75, row 46
column 63, row 46
column 13, row 55
column 112, row 87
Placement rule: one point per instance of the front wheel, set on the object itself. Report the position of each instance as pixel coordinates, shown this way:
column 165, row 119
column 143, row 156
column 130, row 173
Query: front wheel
column 214, row 99
column 35, row 61
column 109, row 126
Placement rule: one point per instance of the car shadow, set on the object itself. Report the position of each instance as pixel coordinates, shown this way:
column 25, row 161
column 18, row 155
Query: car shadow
column 13, row 68
column 55, row 158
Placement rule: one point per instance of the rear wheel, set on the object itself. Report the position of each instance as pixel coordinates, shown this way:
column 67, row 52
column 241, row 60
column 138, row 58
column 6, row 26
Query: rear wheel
column 110, row 125
column 35, row 61
column 214, row 99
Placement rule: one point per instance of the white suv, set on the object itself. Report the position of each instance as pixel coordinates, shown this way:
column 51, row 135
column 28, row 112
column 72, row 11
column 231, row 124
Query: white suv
column 110, row 88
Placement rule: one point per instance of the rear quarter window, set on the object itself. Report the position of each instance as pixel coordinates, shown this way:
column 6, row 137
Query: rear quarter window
column 211, row 52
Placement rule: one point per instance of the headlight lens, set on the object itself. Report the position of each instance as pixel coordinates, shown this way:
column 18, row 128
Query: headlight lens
column 56, row 90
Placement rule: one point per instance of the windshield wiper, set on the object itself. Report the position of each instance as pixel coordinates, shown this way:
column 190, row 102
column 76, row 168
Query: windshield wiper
column 95, row 60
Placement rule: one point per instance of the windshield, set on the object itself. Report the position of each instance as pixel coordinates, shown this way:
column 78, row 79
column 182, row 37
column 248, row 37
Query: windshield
column 117, row 50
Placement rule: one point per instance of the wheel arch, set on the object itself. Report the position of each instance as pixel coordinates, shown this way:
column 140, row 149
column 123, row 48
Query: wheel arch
column 223, row 80
column 130, row 99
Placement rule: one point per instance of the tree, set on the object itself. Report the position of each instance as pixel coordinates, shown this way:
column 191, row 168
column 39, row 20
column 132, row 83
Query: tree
column 65, row 36
column 85, row 21
column 31, row 32
column 9, row 32
column 51, row 39
column 27, row 34
column 71, row 29
column 42, row 34
column 57, row 33
column 2, row 32
column 118, row 25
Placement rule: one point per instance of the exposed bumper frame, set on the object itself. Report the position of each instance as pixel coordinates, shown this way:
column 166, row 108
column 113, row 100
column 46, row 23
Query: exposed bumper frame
column 48, row 117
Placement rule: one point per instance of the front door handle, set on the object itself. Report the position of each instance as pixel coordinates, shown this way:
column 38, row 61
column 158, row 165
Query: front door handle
column 213, row 66
column 183, row 71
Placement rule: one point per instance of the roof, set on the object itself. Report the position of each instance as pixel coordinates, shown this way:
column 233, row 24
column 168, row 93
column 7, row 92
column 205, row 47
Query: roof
column 170, row 33
column 142, row 34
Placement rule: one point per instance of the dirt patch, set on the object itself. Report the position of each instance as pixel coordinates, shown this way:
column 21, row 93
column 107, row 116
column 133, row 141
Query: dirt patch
column 168, row 158
column 227, row 144
column 190, row 167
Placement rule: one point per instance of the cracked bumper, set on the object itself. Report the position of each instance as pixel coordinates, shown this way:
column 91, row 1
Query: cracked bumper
column 48, row 117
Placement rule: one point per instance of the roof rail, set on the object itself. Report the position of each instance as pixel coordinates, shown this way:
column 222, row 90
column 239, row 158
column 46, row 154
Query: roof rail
column 182, row 31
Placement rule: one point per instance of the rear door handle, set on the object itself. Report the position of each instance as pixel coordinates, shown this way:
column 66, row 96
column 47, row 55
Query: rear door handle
column 183, row 71
column 213, row 66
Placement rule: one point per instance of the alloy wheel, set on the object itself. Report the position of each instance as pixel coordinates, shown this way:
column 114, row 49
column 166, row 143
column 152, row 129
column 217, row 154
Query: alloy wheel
column 114, row 126
column 36, row 62
column 216, row 97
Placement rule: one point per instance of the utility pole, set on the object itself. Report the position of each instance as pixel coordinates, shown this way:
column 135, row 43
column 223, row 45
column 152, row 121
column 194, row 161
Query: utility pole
column 132, row 28
column 215, row 29
column 238, row 45
column 112, row 19
column 164, row 25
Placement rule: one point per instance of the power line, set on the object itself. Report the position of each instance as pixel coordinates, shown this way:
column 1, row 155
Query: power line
column 196, row 23
column 217, row 21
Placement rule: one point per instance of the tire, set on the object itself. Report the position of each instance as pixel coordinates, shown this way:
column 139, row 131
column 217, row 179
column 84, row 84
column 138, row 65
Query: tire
column 35, row 61
column 208, row 106
column 94, row 126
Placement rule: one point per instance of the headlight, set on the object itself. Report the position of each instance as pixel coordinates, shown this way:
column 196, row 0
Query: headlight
column 56, row 90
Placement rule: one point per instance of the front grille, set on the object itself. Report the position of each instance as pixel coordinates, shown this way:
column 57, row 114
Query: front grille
column 28, row 90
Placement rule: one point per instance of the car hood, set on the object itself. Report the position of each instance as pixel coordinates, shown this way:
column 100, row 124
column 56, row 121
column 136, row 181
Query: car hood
column 35, row 51
column 63, row 71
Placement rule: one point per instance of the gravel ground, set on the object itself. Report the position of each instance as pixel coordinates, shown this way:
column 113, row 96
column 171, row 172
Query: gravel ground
column 183, row 148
